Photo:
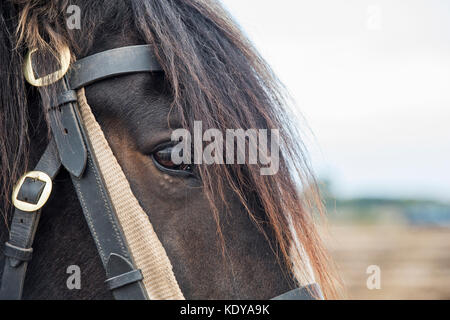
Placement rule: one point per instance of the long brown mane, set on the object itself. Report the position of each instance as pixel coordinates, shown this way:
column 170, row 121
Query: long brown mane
column 216, row 77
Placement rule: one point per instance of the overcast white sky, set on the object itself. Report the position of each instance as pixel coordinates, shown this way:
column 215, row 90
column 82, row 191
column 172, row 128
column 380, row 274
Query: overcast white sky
column 372, row 79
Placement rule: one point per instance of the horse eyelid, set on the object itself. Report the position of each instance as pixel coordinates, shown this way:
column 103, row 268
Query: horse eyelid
column 172, row 172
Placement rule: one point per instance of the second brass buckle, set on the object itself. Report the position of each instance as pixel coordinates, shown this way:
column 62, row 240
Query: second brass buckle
column 30, row 207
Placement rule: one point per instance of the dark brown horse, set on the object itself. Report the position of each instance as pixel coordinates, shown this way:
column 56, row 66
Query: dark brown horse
column 228, row 231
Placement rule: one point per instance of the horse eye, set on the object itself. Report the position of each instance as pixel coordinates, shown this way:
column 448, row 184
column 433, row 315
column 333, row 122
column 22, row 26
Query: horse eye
column 163, row 160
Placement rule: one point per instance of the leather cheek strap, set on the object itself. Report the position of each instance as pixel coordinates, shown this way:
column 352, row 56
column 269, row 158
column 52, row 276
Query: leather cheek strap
column 96, row 204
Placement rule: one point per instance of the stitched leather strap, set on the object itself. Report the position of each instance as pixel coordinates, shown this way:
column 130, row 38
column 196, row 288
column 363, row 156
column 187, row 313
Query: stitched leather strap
column 23, row 229
column 99, row 212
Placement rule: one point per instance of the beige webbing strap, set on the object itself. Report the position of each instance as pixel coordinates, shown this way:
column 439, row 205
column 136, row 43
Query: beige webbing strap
column 147, row 251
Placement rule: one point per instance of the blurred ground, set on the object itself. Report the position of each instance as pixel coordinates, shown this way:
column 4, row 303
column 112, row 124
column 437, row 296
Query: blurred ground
column 414, row 260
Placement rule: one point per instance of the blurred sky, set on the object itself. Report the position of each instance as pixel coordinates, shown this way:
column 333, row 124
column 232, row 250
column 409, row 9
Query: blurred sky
column 372, row 79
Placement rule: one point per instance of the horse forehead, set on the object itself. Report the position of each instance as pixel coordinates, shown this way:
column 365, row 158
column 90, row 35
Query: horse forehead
column 136, row 100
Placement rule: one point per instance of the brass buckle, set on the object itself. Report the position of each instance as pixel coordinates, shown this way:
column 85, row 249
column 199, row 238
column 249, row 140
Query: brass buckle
column 30, row 207
column 50, row 78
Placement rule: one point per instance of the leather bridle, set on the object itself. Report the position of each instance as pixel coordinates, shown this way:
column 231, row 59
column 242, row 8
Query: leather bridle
column 70, row 148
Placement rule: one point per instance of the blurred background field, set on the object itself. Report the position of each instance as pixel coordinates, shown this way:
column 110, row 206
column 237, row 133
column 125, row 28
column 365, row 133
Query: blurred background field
column 414, row 260
column 408, row 239
column 371, row 80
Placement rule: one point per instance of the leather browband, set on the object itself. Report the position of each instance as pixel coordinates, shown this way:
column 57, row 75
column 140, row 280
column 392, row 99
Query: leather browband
column 114, row 62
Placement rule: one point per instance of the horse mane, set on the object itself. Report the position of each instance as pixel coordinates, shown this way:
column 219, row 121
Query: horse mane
column 14, row 136
column 215, row 76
